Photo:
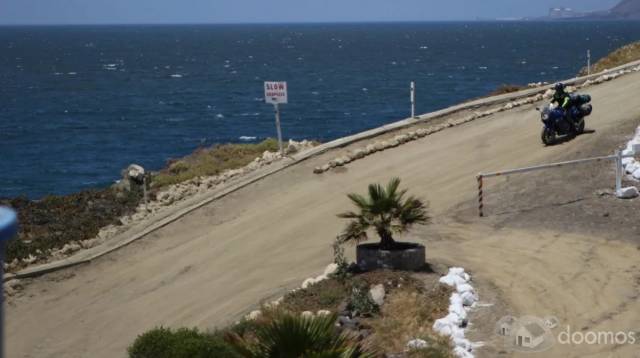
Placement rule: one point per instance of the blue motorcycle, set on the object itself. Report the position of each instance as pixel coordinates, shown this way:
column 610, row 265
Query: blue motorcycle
column 560, row 124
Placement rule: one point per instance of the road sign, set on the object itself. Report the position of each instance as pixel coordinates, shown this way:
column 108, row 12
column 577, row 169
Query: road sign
column 275, row 92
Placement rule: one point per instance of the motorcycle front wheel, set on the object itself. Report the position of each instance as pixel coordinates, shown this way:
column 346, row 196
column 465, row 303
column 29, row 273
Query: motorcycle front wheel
column 580, row 126
column 548, row 136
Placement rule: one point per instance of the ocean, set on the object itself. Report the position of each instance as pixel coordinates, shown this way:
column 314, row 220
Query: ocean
column 79, row 103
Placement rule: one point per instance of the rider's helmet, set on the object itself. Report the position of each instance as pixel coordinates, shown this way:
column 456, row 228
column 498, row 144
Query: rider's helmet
column 559, row 87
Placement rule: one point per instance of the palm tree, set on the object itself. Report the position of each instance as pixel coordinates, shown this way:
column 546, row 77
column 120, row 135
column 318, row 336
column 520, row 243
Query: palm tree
column 386, row 211
column 287, row 335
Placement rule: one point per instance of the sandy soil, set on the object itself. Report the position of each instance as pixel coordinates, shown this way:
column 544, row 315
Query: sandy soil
column 214, row 264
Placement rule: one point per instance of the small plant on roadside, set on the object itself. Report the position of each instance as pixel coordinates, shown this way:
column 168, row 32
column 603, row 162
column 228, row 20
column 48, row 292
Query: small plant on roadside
column 386, row 211
column 342, row 272
column 291, row 335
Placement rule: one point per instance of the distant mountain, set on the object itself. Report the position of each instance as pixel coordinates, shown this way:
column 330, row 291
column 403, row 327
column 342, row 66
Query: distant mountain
column 625, row 10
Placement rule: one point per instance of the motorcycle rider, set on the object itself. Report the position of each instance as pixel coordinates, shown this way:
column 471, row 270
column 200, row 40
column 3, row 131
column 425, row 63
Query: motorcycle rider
column 561, row 96
column 564, row 101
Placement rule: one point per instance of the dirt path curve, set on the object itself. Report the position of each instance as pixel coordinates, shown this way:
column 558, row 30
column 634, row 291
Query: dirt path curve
column 215, row 263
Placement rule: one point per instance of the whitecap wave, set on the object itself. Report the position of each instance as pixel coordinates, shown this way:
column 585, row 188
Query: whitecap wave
column 176, row 75
column 245, row 138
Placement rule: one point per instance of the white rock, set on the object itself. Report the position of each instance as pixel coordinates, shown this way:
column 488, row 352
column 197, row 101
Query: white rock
column 136, row 172
column 628, row 192
column 307, row 314
column 377, row 294
column 254, row 315
column 371, row 148
column 308, row 282
column 359, row 153
column 331, row 269
column 323, row 313
column 417, row 344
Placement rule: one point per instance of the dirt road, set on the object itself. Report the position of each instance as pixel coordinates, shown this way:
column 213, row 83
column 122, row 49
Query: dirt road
column 217, row 262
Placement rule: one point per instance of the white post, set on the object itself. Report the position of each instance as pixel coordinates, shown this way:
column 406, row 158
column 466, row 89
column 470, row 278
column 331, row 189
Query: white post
column 413, row 99
column 277, row 110
column 588, row 62
column 618, row 171
column 144, row 191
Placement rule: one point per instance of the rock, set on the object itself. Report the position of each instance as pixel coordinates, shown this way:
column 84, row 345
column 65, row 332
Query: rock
column 348, row 323
column 308, row 282
column 402, row 138
column 380, row 146
column 291, row 148
column 377, row 294
column 325, row 167
column 254, row 315
column 347, row 159
column 417, row 344
column 394, row 143
column 548, row 94
column 333, row 164
column 371, row 148
column 331, row 269
column 135, row 172
column 339, row 162
column 323, row 313
column 307, row 314
column 318, row 170
column 627, row 193
column 422, row 132
column 359, row 153
column 413, row 135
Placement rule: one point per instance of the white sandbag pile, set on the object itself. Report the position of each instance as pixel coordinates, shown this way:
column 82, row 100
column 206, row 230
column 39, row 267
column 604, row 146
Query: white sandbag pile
column 453, row 325
column 631, row 165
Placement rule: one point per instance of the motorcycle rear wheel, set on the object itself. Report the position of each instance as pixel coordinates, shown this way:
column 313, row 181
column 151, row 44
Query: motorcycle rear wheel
column 548, row 136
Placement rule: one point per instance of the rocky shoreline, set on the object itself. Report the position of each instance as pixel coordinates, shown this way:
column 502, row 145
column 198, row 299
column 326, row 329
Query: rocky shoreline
column 58, row 226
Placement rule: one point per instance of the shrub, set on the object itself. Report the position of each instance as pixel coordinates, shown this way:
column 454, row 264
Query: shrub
column 291, row 335
column 182, row 343
column 212, row 161
column 619, row 57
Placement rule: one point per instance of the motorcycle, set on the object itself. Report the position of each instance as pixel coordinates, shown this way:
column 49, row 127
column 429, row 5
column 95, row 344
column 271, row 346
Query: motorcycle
column 560, row 124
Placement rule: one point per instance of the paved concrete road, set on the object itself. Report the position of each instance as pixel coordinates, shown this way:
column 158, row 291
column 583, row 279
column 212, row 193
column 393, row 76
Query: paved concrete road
column 215, row 263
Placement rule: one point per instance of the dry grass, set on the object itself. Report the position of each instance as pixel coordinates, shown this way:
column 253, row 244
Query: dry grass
column 408, row 314
column 506, row 88
column 625, row 54
column 212, row 161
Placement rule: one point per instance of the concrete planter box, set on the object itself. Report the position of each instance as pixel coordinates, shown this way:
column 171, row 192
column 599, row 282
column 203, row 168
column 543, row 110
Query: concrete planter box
column 408, row 257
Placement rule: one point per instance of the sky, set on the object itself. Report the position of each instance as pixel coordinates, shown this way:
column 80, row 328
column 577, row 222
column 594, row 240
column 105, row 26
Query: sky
column 273, row 11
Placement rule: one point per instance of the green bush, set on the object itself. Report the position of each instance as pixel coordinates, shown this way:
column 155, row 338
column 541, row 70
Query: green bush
column 182, row 343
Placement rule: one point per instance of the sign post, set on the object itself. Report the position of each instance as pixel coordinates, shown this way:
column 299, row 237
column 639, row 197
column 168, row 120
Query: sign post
column 588, row 62
column 8, row 229
column 276, row 94
column 413, row 99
